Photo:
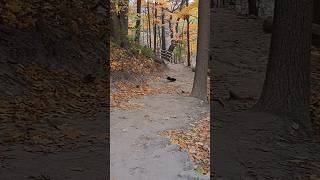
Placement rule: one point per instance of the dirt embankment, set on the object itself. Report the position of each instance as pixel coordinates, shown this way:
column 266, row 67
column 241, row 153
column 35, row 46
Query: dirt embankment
column 253, row 145
column 54, row 84
column 50, row 66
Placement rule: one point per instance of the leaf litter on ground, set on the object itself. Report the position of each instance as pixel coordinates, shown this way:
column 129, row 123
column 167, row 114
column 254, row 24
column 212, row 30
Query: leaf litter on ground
column 196, row 141
column 40, row 118
column 140, row 72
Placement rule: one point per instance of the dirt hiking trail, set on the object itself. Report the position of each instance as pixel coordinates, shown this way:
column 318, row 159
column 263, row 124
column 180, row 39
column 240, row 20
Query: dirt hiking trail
column 250, row 145
column 137, row 151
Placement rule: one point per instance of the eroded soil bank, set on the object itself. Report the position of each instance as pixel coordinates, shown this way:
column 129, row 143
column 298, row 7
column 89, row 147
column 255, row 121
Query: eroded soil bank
column 251, row 145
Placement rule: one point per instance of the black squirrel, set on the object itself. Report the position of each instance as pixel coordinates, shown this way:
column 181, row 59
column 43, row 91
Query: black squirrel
column 171, row 79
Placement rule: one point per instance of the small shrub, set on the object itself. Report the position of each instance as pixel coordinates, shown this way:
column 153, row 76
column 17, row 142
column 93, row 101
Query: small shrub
column 141, row 49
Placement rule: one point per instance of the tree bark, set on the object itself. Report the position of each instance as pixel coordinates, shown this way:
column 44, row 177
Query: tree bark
column 253, row 8
column 188, row 38
column 155, row 28
column 143, row 31
column 149, row 24
column 123, row 19
column 163, row 30
column 173, row 43
column 159, row 35
column 316, row 12
column 286, row 90
column 171, row 28
column 316, row 21
column 199, row 89
column 115, row 24
column 138, row 22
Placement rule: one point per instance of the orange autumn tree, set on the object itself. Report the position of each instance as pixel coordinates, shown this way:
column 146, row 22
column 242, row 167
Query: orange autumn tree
column 165, row 25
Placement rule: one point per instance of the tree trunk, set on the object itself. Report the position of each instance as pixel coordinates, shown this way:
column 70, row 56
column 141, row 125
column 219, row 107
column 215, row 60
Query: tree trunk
column 155, row 28
column 199, row 89
column 173, row 43
column 211, row 46
column 177, row 25
column 253, row 8
column 188, row 38
column 163, row 30
column 182, row 39
column 138, row 22
column 316, row 12
column 149, row 24
column 159, row 35
column 123, row 19
column 286, row 89
column 316, row 21
column 148, row 31
column 142, row 32
column 170, row 28
column 119, row 22
column 115, row 24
